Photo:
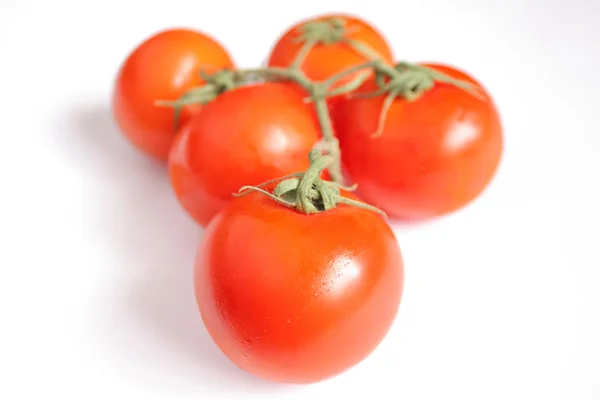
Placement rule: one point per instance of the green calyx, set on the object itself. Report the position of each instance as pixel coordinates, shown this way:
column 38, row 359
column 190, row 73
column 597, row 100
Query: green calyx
column 409, row 82
column 306, row 192
column 413, row 80
column 326, row 31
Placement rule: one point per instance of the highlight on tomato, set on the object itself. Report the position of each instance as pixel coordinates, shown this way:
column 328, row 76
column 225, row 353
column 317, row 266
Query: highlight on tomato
column 330, row 44
column 246, row 135
column 423, row 148
column 163, row 67
column 298, row 297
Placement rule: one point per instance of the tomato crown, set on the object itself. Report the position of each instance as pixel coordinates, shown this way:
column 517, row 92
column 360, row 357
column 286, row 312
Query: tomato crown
column 409, row 81
column 326, row 31
column 307, row 192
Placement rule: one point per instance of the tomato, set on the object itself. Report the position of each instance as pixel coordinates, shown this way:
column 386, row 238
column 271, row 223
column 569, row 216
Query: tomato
column 244, row 137
column 434, row 154
column 325, row 60
column 297, row 298
column 163, row 67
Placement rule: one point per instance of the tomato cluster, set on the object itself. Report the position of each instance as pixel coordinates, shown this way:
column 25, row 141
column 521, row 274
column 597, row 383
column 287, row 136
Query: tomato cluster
column 292, row 167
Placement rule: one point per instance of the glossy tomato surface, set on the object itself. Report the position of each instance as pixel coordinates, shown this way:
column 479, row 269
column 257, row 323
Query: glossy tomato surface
column 434, row 155
column 296, row 298
column 162, row 68
column 244, row 137
column 325, row 60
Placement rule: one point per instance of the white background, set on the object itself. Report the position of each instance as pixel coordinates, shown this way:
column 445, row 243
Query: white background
column 502, row 299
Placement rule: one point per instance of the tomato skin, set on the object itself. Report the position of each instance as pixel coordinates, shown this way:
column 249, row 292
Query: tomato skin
column 323, row 61
column 296, row 298
column 162, row 67
column 244, row 137
column 202, row 206
column 435, row 154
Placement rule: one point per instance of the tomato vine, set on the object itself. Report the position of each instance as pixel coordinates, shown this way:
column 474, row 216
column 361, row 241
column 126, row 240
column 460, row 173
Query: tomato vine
column 307, row 192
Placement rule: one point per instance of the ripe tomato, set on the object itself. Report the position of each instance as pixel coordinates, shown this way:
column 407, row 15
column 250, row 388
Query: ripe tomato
column 435, row 154
column 161, row 68
column 244, row 137
column 297, row 298
column 325, row 60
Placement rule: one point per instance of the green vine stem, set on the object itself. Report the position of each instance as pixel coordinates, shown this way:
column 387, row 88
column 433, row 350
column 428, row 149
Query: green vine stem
column 318, row 92
column 216, row 84
column 306, row 192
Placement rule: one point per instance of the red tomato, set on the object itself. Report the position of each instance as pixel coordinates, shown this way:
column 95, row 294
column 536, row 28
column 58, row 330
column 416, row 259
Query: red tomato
column 244, row 137
column 325, row 60
column 162, row 68
column 297, row 298
column 435, row 154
